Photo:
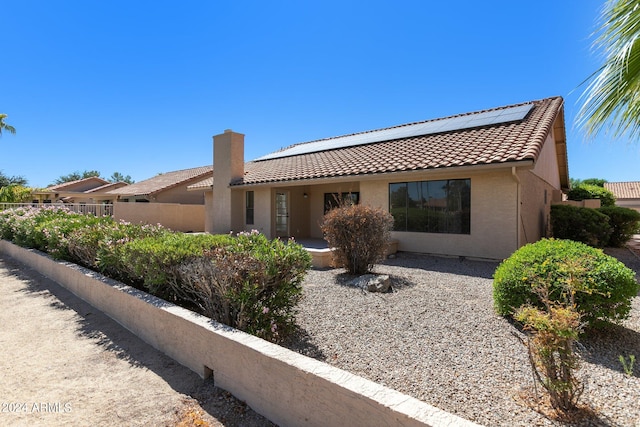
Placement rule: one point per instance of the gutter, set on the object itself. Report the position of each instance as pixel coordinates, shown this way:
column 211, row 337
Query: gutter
column 514, row 175
column 385, row 175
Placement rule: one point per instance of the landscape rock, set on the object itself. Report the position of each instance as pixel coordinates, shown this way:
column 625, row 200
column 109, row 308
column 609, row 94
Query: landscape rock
column 372, row 282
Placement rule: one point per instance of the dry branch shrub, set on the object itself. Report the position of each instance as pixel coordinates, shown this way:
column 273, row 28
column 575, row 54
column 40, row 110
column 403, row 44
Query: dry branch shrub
column 552, row 347
column 359, row 235
column 252, row 284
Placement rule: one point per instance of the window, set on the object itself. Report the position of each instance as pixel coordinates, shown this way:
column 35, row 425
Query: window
column 431, row 206
column 333, row 200
column 249, row 207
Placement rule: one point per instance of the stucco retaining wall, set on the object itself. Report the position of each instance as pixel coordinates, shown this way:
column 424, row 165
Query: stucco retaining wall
column 288, row 388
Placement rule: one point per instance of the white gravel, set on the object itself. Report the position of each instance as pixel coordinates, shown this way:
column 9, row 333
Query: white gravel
column 436, row 337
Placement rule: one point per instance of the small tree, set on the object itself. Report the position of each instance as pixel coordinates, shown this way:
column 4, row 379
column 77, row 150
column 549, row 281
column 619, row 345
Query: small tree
column 359, row 235
column 555, row 330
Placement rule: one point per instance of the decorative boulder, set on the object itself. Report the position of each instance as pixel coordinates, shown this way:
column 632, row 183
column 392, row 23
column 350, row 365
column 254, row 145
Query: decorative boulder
column 372, row 283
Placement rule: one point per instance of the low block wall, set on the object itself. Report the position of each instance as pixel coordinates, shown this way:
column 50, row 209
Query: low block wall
column 287, row 388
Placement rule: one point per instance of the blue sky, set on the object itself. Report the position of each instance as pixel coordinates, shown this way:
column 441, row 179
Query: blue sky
column 140, row 87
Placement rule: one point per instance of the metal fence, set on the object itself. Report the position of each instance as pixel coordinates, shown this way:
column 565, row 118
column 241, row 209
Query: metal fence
column 85, row 208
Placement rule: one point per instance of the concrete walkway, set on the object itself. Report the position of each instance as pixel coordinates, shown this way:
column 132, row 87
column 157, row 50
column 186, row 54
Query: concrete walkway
column 65, row 363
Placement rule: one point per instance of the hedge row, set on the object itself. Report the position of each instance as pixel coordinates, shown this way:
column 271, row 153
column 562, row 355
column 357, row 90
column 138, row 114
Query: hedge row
column 245, row 281
column 605, row 226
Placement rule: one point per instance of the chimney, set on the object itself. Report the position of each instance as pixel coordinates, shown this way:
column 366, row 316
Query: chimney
column 228, row 165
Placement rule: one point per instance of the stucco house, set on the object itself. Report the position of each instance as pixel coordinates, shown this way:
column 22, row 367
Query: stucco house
column 170, row 187
column 478, row 184
column 91, row 190
column 627, row 193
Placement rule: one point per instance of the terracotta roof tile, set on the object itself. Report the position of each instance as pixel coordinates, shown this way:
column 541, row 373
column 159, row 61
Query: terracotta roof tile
column 164, row 181
column 499, row 143
column 70, row 184
column 624, row 190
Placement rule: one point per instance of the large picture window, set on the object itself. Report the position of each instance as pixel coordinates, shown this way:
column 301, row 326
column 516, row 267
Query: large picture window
column 431, row 206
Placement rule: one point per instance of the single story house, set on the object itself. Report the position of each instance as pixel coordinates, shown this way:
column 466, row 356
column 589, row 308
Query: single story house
column 170, row 187
column 627, row 193
column 478, row 184
column 91, row 190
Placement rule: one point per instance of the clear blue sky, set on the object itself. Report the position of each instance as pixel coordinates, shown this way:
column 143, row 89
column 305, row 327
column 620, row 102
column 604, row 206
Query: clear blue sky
column 139, row 87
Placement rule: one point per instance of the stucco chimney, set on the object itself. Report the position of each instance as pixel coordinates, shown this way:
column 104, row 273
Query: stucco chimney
column 228, row 165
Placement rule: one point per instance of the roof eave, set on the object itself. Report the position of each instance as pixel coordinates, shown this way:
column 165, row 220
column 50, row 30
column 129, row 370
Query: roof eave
column 379, row 175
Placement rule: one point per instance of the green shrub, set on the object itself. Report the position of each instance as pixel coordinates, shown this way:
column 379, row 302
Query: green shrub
column 252, row 284
column 584, row 225
column 51, row 236
column 587, row 191
column 109, row 254
column 153, row 260
column 9, row 220
column 624, row 222
column 607, row 286
column 359, row 235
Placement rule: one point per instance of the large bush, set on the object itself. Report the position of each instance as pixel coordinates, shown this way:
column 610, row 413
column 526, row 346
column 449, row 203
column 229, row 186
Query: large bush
column 606, row 290
column 625, row 223
column 153, row 261
column 359, row 235
column 588, row 191
column 252, row 284
column 584, row 225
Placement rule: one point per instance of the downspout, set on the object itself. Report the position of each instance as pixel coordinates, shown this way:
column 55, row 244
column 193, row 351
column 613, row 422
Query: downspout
column 517, row 180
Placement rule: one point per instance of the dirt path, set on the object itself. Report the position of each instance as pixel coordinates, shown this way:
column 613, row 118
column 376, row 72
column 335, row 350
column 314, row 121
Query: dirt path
column 62, row 362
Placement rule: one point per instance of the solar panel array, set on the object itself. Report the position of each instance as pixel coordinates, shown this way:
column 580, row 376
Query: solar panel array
column 467, row 121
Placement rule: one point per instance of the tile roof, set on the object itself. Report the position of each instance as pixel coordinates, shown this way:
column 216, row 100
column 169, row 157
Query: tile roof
column 77, row 183
column 491, row 144
column 624, row 190
column 164, row 181
column 106, row 187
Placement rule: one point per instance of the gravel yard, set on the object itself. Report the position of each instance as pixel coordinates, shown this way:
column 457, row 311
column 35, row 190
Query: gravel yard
column 437, row 338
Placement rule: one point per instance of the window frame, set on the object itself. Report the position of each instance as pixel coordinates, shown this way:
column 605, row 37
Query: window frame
column 426, row 206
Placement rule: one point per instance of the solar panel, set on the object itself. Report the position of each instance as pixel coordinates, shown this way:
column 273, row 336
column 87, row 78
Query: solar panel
column 466, row 121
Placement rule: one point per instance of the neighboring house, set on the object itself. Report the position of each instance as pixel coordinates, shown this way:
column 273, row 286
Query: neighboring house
column 170, row 187
column 627, row 193
column 474, row 185
column 92, row 190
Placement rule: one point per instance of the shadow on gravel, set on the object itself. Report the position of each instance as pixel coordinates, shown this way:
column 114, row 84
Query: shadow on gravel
column 300, row 342
column 115, row 339
column 605, row 346
column 459, row 265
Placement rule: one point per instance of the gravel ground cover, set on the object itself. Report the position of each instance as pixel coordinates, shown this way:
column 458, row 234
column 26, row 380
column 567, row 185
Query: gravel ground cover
column 436, row 337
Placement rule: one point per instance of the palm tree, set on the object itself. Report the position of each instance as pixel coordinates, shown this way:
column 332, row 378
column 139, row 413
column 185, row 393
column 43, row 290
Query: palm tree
column 612, row 98
column 4, row 126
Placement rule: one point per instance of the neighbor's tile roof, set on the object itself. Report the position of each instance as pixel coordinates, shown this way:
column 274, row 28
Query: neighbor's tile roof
column 624, row 190
column 111, row 185
column 163, row 181
column 491, row 144
column 66, row 185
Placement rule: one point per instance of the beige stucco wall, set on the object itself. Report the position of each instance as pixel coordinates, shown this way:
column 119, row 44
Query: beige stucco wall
column 316, row 202
column 493, row 216
column 286, row 387
column 535, row 207
column 179, row 194
column 546, row 166
column 186, row 218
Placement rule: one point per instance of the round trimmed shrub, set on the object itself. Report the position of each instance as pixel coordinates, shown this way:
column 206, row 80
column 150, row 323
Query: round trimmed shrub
column 606, row 286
